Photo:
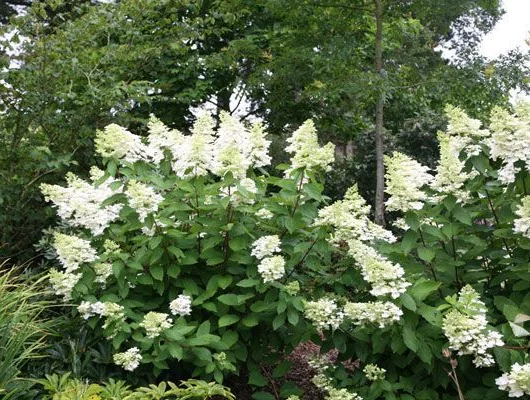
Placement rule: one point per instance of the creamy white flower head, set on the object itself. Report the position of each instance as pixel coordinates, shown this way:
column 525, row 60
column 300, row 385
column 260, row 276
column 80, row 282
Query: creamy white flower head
column 385, row 277
column 467, row 330
column 155, row 323
column 117, row 142
column 73, row 251
column 103, row 271
column 266, row 246
column 63, row 283
column 272, row 268
column 522, row 224
column 324, row 313
column 142, row 198
column 306, row 151
column 195, row 152
column 232, row 148
column 404, row 179
column 374, row 373
column 510, row 140
column 161, row 137
column 259, row 146
column 80, row 203
column 350, row 219
column 517, row 381
column 450, row 177
column 181, row 305
column 129, row 360
column 465, row 131
column 380, row 313
column 264, row 213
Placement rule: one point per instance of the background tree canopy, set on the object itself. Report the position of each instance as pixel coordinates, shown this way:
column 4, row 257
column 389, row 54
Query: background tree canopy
column 81, row 65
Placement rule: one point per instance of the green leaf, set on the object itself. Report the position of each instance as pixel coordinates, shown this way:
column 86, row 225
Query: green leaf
column 281, row 369
column 426, row 254
column 262, row 396
column 230, row 338
column 462, row 215
column 256, row 378
column 157, row 272
column 250, row 320
column 412, row 220
column 278, row 321
column 248, row 283
column 204, row 340
column 408, row 302
column 409, row 338
column 228, row 319
column 409, row 242
column 423, row 288
column 229, row 299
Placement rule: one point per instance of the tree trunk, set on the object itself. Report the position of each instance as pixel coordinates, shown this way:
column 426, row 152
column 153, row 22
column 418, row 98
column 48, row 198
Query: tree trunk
column 379, row 128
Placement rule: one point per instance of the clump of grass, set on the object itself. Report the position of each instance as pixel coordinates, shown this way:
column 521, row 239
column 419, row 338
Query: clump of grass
column 23, row 330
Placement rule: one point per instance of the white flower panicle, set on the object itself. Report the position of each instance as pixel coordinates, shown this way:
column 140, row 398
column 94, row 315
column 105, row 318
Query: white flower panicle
column 385, row 277
column 117, row 142
column 324, row 313
column 155, row 323
column 194, row 155
column 465, row 132
column 161, row 138
column 522, row 224
column 404, row 179
column 324, row 383
column 103, row 271
column 377, row 313
column 143, row 199
column 374, row 373
column 80, row 203
column 129, row 360
column 510, row 140
column 73, row 251
column 350, row 219
column 450, row 177
column 307, row 153
column 263, row 213
column 517, row 381
column 266, row 246
column 232, row 148
column 467, row 330
column 63, row 282
column 112, row 311
column 259, row 146
column 272, row 268
column 181, row 305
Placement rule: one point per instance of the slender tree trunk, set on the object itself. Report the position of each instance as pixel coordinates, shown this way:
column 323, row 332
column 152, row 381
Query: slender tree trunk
column 379, row 128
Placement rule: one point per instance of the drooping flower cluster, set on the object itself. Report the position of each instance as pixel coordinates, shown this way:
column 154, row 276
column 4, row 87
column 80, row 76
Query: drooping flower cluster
column 272, row 268
column 103, row 271
column 155, row 323
column 517, row 381
column 112, row 311
column 324, row 313
column 307, row 153
column 374, row 373
column 375, row 312
column 129, row 360
column 349, row 218
column 324, row 383
column 80, row 203
column 73, row 251
column 181, row 305
column 117, row 142
column 450, row 176
column 143, row 199
column 385, row 277
column 63, row 282
column 404, row 179
column 266, row 246
column 522, row 224
column 466, row 328
column 510, row 140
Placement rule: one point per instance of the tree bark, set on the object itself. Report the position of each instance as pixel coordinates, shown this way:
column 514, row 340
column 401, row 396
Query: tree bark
column 379, row 209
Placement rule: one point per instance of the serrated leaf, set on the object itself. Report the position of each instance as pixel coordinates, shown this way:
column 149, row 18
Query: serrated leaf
column 426, row 254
